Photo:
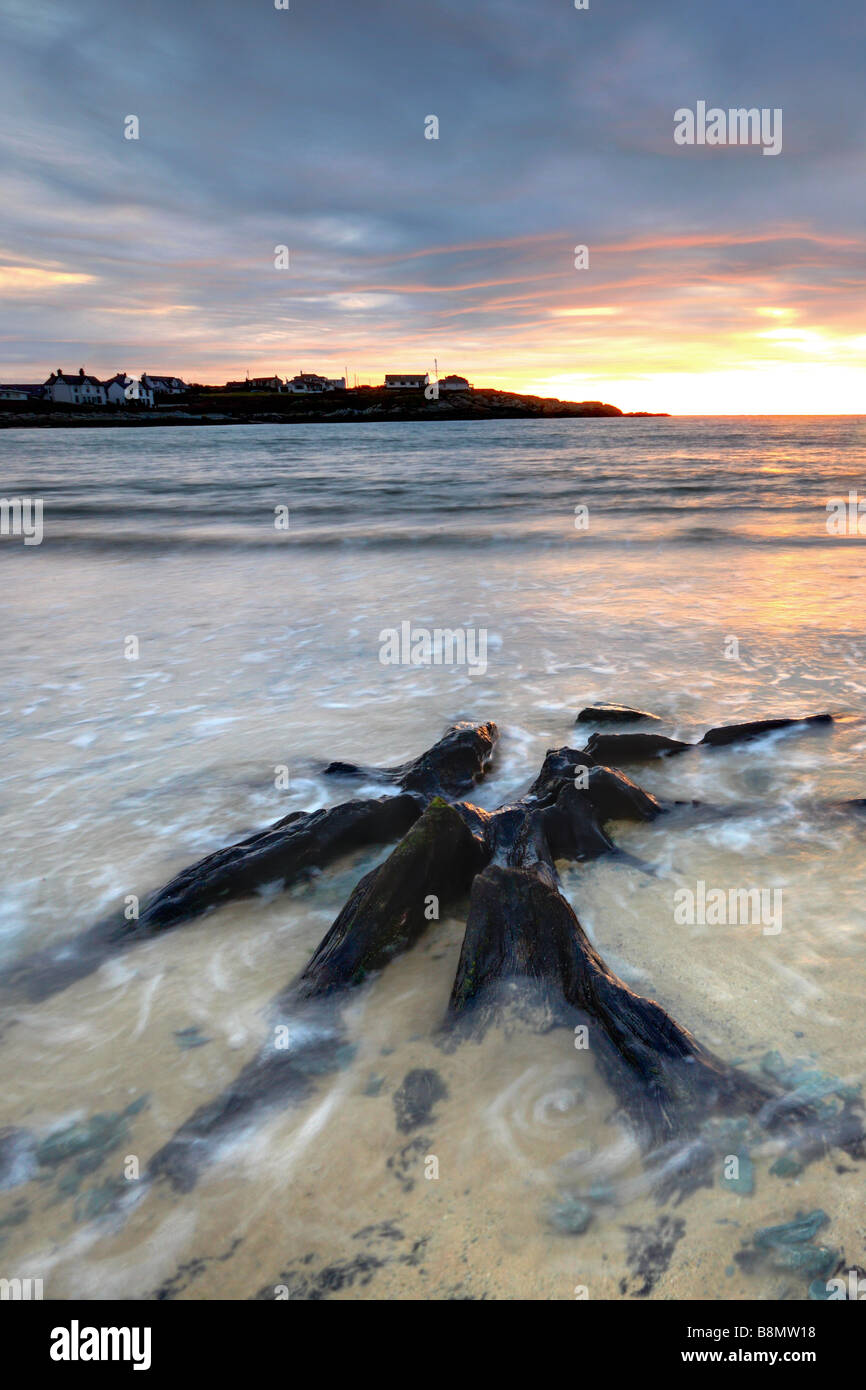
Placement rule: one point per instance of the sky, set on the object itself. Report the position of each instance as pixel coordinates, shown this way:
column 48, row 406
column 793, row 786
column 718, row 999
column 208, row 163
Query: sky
column 720, row 280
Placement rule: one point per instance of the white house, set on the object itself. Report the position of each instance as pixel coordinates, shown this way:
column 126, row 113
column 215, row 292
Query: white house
column 454, row 383
column 75, row 390
column 306, row 383
column 122, row 389
column 136, row 390
column 407, row 381
column 163, row 385
column 20, row 393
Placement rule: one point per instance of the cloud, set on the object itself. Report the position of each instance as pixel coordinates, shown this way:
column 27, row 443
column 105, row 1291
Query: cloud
column 305, row 127
column 22, row 279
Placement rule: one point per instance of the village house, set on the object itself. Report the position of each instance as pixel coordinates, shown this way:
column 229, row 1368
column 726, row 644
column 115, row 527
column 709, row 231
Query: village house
column 66, row 389
column 21, row 393
column 454, row 383
column 75, row 390
column 255, row 383
column 123, row 389
column 163, row 385
column 407, row 381
column 310, row 382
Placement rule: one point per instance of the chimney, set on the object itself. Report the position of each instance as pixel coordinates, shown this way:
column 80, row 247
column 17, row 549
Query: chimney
column 81, row 371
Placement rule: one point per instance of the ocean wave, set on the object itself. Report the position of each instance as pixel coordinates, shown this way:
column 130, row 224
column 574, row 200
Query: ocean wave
column 458, row 539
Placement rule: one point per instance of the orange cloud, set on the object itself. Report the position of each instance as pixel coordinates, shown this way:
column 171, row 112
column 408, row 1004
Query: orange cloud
column 31, row 278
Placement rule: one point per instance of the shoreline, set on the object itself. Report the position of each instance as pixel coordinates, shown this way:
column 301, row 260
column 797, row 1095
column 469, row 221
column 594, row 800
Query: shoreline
column 56, row 422
column 367, row 404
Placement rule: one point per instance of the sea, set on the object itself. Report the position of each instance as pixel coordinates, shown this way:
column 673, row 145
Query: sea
column 206, row 622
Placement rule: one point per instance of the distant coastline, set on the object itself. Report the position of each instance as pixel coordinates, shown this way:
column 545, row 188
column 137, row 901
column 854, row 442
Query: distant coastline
column 361, row 403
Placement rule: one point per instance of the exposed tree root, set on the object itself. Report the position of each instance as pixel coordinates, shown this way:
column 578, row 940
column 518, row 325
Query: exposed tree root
column 524, row 953
column 524, row 947
column 284, row 1073
column 450, row 768
column 744, row 733
column 283, row 854
column 391, row 906
column 637, row 747
column 385, row 915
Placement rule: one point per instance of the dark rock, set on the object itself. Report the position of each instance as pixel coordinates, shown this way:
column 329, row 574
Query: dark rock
column 801, row 1230
column 569, row 1215
column 649, row 1253
column 605, row 713
column 804, row 1082
column 632, row 747
column 560, row 766
column 811, row 1261
column 450, row 768
column 789, row 1246
column 415, row 1099
column 569, row 829
column 786, row 1167
column 748, row 1259
column 408, row 1163
column 742, row 733
column 616, row 748
column 614, row 796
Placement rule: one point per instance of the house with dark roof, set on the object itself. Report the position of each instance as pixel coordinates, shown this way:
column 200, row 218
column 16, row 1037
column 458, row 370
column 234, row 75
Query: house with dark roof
column 311, row 382
column 75, row 390
column 255, row 383
column 407, row 381
column 123, row 389
column 454, row 383
column 163, row 385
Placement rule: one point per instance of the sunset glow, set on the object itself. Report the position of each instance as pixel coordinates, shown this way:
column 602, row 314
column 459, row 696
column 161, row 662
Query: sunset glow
column 713, row 279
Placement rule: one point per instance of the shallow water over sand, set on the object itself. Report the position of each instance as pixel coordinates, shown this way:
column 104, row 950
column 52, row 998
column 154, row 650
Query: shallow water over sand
column 117, row 773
